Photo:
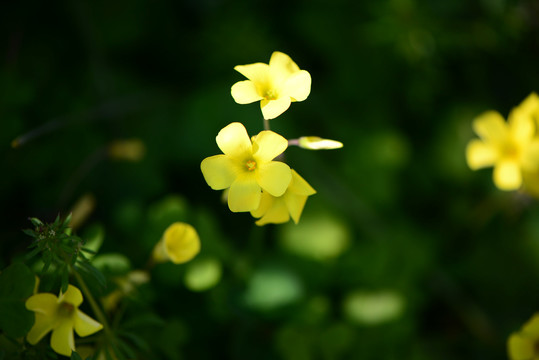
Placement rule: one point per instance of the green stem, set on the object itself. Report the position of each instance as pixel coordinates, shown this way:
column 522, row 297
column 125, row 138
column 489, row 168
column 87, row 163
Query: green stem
column 266, row 124
column 93, row 303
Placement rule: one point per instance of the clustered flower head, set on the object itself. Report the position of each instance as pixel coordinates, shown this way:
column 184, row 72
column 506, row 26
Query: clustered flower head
column 251, row 170
column 511, row 147
column 60, row 314
column 524, row 345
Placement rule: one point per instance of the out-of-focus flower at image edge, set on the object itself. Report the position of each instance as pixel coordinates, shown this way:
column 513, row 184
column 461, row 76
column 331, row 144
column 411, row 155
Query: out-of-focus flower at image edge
column 180, row 243
column 60, row 315
column 523, row 345
column 511, row 147
column 275, row 85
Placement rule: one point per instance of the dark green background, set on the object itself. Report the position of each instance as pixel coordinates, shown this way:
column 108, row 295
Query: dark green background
column 398, row 82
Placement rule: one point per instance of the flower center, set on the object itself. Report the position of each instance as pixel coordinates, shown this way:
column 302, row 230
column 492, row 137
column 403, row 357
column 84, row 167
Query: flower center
column 511, row 150
column 271, row 94
column 65, row 309
column 251, row 165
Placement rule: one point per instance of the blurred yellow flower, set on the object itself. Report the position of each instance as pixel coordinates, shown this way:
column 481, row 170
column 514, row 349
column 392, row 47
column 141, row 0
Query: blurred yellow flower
column 511, row 147
column 318, row 143
column 180, row 243
column 247, row 167
column 61, row 315
column 276, row 85
column 523, row 345
column 278, row 210
column 130, row 150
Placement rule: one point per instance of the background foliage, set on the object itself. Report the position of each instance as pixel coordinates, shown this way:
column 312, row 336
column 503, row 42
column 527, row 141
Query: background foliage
column 400, row 227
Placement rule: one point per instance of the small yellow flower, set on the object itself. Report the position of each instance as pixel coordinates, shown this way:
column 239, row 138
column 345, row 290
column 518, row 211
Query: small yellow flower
column 524, row 345
column 61, row 315
column 278, row 210
column 180, row 243
column 247, row 167
column 276, row 85
column 511, row 147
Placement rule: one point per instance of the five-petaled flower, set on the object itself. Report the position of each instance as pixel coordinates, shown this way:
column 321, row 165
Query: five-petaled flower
column 276, row 85
column 511, row 147
column 247, row 167
column 278, row 210
column 61, row 315
column 524, row 345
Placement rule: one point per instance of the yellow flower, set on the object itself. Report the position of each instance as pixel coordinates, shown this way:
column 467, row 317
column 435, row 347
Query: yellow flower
column 524, row 344
column 278, row 210
column 511, row 147
column 276, row 85
column 180, row 243
column 247, row 167
column 61, row 315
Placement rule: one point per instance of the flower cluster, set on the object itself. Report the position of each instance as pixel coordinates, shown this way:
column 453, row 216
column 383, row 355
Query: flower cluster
column 251, row 168
column 511, row 147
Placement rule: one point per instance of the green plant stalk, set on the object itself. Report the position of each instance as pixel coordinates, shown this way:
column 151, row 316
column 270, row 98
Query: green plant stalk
column 93, row 304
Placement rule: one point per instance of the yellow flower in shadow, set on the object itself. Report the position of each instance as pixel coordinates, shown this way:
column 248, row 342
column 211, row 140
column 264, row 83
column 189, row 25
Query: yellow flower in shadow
column 278, row 210
column 511, row 147
column 247, row 167
column 60, row 315
column 180, row 243
column 275, row 85
column 524, row 345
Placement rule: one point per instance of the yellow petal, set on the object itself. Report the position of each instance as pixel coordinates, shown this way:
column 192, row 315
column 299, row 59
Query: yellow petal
column 479, row 154
column 274, row 177
column 295, row 204
column 42, row 325
column 491, row 127
column 62, row 340
column 298, row 85
column 273, row 108
column 219, row 171
column 266, row 201
column 530, row 159
column 276, row 214
column 259, row 73
column 181, row 242
column 283, row 63
column 85, row 325
column 521, row 126
column 244, row 194
column 520, row 348
column 72, row 296
column 245, row 92
column 531, row 328
column 530, row 105
column 299, row 186
column 267, row 145
column 507, row 175
column 234, row 141
column 43, row 303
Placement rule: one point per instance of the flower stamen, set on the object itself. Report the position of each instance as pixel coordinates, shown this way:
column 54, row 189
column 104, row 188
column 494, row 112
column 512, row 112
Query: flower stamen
column 251, row 165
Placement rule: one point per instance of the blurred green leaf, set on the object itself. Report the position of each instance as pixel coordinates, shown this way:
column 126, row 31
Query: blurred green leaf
column 16, row 285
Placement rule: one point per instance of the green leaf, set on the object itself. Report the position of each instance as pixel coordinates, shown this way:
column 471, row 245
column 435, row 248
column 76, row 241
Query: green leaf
column 75, row 356
column 92, row 271
column 16, row 285
column 36, row 222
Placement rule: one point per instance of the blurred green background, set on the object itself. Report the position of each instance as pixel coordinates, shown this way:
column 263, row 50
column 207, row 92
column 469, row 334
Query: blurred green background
column 404, row 253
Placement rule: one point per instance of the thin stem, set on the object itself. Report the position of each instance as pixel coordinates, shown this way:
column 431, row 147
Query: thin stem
column 93, row 303
column 266, row 124
column 292, row 142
